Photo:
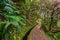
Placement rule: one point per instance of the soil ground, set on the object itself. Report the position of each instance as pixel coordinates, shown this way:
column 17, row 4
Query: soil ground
column 38, row 34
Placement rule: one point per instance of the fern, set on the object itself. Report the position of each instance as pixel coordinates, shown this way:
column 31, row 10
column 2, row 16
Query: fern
column 11, row 19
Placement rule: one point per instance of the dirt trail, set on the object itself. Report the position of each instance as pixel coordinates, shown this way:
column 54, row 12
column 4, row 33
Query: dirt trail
column 37, row 34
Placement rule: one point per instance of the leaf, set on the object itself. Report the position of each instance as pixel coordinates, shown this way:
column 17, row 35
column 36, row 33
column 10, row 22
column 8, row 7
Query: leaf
column 7, row 24
column 7, row 35
column 8, row 9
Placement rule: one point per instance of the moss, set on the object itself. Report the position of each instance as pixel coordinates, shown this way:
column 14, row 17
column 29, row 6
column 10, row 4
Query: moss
column 25, row 30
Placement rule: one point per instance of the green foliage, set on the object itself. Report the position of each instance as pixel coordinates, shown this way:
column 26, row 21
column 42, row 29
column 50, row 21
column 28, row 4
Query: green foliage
column 11, row 20
column 48, row 15
column 50, row 19
column 15, row 15
column 31, row 11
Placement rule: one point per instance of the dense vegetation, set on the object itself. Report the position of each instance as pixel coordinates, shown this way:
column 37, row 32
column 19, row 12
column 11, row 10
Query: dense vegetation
column 17, row 17
column 11, row 20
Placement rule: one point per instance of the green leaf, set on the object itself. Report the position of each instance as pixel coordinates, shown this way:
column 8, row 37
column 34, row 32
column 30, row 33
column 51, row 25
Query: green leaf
column 8, row 9
column 7, row 24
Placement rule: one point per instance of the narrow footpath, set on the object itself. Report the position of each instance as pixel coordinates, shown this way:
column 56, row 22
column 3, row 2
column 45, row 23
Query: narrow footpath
column 38, row 34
